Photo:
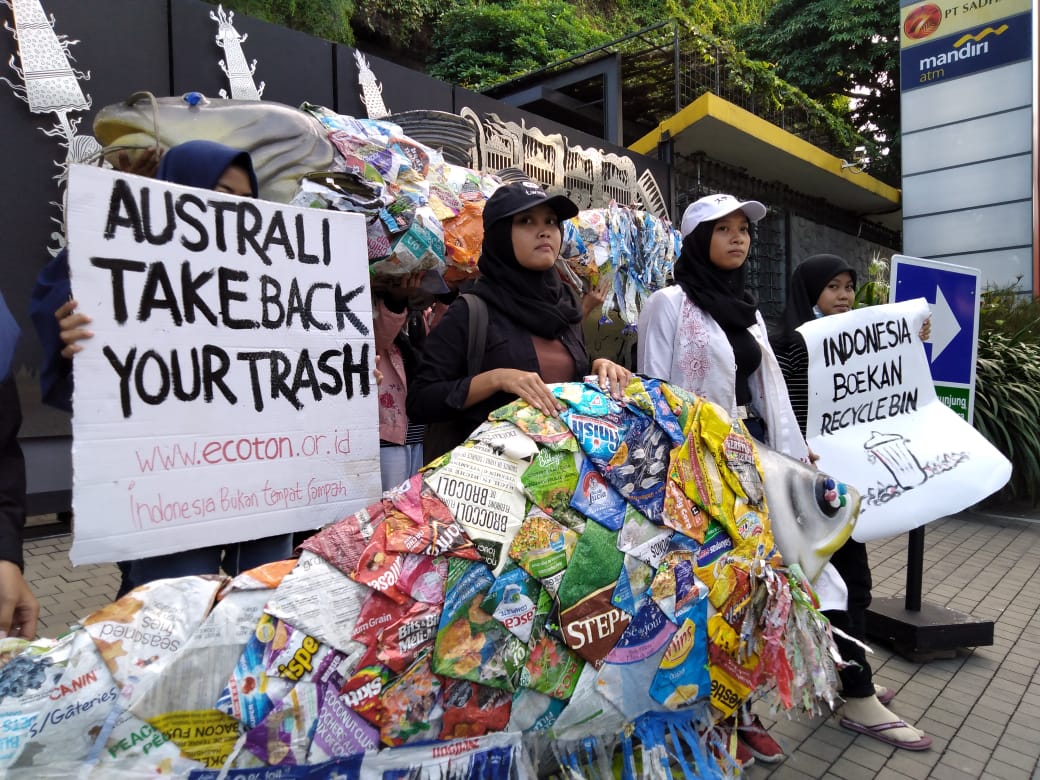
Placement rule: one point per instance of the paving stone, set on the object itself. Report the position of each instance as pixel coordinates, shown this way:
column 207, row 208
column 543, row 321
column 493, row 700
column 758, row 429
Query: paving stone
column 998, row 770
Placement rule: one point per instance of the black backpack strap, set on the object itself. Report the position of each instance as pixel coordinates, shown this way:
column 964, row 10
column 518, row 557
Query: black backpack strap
column 478, row 322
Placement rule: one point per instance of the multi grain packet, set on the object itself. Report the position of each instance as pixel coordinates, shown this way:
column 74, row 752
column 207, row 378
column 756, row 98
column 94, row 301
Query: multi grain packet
column 410, row 633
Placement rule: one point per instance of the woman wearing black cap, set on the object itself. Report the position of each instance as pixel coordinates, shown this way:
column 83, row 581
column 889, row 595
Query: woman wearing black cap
column 534, row 334
column 821, row 286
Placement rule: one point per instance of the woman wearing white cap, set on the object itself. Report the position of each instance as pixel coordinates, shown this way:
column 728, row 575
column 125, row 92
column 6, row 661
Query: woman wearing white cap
column 706, row 335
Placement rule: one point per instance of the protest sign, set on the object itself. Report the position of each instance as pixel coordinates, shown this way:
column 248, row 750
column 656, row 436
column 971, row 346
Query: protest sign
column 227, row 393
column 876, row 423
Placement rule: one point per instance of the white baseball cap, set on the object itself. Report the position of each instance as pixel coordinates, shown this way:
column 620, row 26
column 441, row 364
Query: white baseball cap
column 714, row 206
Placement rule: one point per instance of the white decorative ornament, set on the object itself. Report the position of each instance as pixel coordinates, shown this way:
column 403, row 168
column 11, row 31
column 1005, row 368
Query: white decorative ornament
column 50, row 85
column 239, row 72
column 371, row 89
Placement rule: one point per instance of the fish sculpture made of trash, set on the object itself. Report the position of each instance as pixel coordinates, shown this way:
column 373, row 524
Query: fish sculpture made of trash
column 617, row 580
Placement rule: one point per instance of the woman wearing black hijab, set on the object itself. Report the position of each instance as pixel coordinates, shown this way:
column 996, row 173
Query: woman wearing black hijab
column 822, row 286
column 705, row 332
column 534, row 334
column 706, row 335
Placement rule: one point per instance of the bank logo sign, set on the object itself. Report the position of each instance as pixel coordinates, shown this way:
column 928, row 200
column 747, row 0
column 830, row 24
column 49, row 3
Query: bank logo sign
column 962, row 52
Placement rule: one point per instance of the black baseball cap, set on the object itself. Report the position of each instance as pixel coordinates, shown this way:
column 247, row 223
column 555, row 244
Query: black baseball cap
column 510, row 199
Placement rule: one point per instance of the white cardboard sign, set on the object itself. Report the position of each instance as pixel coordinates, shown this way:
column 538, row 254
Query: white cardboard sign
column 227, row 393
column 876, row 423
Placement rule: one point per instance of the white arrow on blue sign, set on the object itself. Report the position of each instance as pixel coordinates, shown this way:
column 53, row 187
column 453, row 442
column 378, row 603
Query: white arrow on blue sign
column 953, row 294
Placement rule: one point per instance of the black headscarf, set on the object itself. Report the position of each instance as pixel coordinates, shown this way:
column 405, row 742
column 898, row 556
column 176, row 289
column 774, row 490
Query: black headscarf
column 537, row 300
column 807, row 282
column 719, row 292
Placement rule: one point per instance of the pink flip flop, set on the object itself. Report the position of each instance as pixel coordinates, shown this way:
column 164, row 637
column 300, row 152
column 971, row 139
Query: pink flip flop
column 879, row 732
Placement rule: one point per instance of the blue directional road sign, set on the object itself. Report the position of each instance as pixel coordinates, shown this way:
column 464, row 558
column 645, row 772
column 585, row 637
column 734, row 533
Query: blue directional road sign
column 952, row 292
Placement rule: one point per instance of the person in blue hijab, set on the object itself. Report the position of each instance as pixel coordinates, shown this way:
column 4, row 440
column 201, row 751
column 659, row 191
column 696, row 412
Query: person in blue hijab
column 61, row 326
column 54, row 313
column 18, row 607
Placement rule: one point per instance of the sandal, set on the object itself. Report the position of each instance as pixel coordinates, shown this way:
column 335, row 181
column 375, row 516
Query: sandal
column 879, row 732
column 884, row 695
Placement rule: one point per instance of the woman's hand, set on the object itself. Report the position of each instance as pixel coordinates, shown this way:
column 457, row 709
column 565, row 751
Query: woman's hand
column 72, row 328
column 613, row 378
column 595, row 297
column 525, row 384
column 144, row 163
column 926, row 330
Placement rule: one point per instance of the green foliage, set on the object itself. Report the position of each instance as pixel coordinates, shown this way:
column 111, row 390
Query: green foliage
column 839, row 49
column 875, row 288
column 769, row 92
column 1007, row 385
column 402, row 21
column 476, row 46
column 329, row 19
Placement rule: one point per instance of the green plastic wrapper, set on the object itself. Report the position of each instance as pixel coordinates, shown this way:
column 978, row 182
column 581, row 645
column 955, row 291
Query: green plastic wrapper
column 551, row 667
column 471, row 644
column 590, row 622
column 550, row 482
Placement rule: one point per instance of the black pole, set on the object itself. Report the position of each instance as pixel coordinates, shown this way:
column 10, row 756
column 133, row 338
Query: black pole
column 914, row 569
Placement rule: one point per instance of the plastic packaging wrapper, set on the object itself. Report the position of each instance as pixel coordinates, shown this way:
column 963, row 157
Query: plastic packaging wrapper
column 611, row 625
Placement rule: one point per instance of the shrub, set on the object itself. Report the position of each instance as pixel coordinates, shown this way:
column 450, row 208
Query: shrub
column 1007, row 386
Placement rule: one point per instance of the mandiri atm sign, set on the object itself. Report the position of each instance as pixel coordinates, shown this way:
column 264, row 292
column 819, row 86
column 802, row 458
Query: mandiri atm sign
column 953, row 294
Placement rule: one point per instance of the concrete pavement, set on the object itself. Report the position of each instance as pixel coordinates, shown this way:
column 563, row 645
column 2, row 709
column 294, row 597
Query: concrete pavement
column 982, row 707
